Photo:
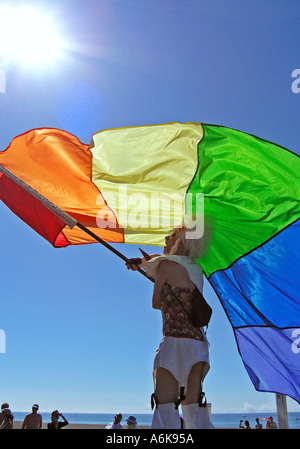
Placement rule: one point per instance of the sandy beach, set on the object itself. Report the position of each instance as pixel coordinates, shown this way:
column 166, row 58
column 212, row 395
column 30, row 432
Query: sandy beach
column 18, row 425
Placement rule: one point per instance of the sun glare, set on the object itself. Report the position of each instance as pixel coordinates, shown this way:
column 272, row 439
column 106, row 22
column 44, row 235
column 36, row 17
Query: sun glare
column 27, row 35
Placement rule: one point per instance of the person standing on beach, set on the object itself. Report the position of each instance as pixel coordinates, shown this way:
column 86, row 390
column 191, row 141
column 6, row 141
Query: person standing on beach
column 33, row 420
column 182, row 360
column 7, row 419
column 270, row 424
column 258, row 425
column 117, row 422
column 245, row 426
column 131, row 422
column 3, row 407
column 55, row 423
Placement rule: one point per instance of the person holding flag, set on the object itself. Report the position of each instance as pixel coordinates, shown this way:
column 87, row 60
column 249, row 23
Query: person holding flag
column 182, row 359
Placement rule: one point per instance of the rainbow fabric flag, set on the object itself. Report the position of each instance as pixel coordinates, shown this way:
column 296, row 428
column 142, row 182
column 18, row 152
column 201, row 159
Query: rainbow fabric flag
column 134, row 184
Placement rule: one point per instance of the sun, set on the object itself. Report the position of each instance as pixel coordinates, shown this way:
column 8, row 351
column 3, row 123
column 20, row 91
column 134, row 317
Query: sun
column 28, row 36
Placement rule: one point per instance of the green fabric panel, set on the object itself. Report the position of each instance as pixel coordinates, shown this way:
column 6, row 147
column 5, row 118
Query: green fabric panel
column 251, row 192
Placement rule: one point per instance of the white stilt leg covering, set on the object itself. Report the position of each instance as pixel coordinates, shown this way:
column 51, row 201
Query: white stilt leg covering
column 195, row 417
column 166, row 416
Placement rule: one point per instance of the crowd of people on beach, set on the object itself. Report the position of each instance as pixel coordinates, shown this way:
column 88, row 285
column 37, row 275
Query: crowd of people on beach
column 116, row 424
column 270, row 424
column 32, row 420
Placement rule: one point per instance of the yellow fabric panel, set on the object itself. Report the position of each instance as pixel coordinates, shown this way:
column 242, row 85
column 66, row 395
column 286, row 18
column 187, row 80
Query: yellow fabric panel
column 143, row 174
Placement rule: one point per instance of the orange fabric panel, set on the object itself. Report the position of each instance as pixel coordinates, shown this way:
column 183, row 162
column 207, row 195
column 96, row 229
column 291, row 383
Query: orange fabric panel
column 58, row 166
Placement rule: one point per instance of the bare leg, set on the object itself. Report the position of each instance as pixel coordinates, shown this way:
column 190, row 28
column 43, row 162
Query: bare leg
column 194, row 384
column 166, row 415
column 167, row 388
column 194, row 416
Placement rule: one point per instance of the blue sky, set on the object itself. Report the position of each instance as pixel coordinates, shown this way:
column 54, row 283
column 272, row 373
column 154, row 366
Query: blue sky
column 80, row 330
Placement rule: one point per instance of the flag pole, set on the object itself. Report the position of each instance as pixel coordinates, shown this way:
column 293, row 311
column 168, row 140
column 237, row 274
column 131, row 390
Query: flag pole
column 111, row 248
column 282, row 414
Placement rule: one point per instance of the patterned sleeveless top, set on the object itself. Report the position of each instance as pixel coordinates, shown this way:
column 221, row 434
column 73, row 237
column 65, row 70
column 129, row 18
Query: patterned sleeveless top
column 176, row 322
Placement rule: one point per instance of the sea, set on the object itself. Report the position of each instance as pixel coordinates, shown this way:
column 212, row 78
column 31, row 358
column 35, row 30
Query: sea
column 223, row 420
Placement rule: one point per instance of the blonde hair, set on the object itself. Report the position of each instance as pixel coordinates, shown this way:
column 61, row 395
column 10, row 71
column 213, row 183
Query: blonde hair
column 194, row 248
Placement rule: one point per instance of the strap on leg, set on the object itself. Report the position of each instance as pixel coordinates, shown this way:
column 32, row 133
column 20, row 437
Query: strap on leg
column 154, row 401
column 202, row 400
column 181, row 398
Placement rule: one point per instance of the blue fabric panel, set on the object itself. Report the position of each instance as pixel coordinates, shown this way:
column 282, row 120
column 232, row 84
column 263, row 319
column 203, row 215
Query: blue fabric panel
column 263, row 287
column 272, row 358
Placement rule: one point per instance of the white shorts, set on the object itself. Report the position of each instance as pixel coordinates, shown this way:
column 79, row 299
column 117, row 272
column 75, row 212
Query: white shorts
column 178, row 355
